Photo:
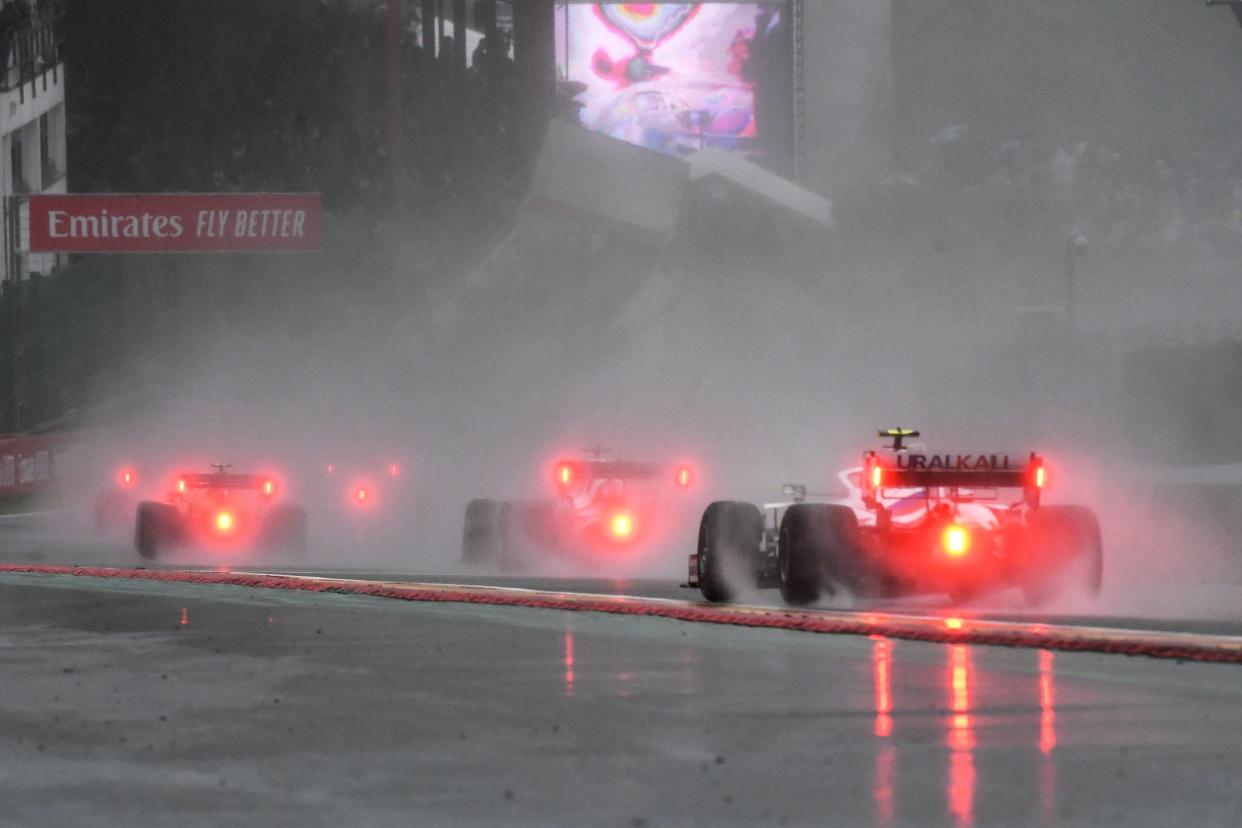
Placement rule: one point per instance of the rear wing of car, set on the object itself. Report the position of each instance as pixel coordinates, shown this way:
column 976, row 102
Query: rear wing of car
column 919, row 469
column 220, row 480
column 571, row 474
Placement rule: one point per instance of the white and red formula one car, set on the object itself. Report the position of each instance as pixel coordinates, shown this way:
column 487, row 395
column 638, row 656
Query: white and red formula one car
column 909, row 522
column 603, row 511
column 221, row 512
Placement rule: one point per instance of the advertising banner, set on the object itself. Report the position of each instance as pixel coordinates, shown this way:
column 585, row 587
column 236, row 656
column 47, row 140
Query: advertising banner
column 175, row 223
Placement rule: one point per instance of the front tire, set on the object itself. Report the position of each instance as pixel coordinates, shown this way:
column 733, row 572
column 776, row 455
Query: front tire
column 729, row 537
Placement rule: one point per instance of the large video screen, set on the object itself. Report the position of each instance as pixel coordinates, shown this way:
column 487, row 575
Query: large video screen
column 678, row 77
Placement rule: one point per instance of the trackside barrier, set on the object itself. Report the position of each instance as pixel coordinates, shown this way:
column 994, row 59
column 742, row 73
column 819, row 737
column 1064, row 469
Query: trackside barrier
column 1153, row 644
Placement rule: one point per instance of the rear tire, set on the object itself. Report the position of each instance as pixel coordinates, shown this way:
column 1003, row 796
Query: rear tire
column 480, row 536
column 729, row 537
column 1063, row 539
column 798, row 561
column 816, row 541
column 153, row 529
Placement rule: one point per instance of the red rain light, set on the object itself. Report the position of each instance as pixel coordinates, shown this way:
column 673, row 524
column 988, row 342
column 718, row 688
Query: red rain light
column 956, row 541
column 684, row 477
column 565, row 474
column 1039, row 477
column 621, row 525
column 127, row 478
column 394, row 470
column 181, row 485
column 363, row 494
column 877, row 476
column 224, row 522
column 269, row 488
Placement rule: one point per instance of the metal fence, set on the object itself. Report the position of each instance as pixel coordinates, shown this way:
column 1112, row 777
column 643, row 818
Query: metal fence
column 31, row 47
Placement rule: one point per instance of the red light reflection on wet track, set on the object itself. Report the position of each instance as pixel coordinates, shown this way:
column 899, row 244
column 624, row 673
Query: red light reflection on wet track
column 569, row 661
column 1047, row 737
column 885, row 785
column 961, row 786
column 961, row 681
column 881, row 668
column 886, row 756
column 1047, row 703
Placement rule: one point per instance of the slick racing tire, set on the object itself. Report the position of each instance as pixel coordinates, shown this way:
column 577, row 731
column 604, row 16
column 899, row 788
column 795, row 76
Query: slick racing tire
column 815, row 540
column 284, row 531
column 153, row 529
column 729, row 537
column 1065, row 544
column 480, row 534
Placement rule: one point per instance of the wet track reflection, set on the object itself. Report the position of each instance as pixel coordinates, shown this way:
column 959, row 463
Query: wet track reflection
column 961, row 786
column 569, row 661
column 959, row 685
column 1047, row 738
column 389, row 708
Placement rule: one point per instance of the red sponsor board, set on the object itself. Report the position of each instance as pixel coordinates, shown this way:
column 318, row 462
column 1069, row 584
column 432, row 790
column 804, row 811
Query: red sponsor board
column 180, row 223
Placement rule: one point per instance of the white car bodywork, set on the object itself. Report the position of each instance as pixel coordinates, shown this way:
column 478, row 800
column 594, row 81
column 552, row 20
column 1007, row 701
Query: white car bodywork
column 908, row 507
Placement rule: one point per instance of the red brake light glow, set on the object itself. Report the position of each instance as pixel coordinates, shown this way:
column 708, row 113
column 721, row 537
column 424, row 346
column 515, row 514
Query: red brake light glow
column 565, row 474
column 127, row 478
column 394, row 470
column 1039, row 477
column 224, row 522
column 684, row 477
column 181, row 485
column 956, row 540
column 363, row 494
column 269, row 488
column 621, row 525
column 877, row 475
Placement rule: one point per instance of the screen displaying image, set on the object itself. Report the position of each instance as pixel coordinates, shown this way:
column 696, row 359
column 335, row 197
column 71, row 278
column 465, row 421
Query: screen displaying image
column 678, row 77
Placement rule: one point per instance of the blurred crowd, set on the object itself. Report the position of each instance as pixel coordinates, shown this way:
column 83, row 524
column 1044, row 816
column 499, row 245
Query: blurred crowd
column 1119, row 198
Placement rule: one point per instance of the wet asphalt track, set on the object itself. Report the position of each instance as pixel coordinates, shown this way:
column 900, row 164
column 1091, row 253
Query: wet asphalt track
column 144, row 703
column 147, row 704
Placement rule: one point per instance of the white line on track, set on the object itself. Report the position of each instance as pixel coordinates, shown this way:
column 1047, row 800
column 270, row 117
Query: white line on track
column 17, row 515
